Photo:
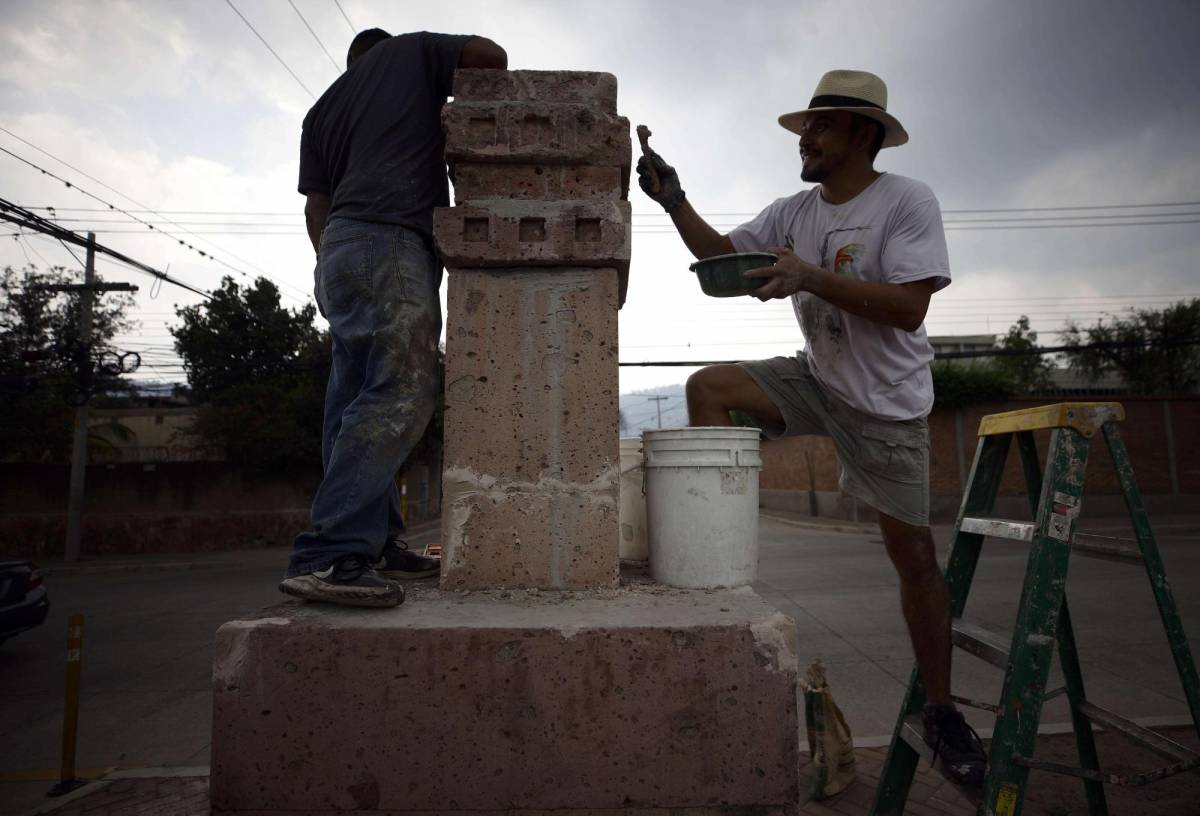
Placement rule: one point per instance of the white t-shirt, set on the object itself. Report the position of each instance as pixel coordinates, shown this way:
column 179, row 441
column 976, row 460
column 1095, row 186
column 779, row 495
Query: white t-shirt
column 890, row 232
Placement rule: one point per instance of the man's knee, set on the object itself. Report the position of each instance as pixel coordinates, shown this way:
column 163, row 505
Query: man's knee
column 704, row 386
column 911, row 549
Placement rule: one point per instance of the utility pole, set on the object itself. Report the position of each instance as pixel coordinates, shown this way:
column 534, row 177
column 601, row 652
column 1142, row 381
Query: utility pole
column 87, row 294
column 79, row 444
column 658, row 401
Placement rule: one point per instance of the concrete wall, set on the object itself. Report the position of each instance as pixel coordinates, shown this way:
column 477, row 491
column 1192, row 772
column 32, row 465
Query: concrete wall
column 1162, row 436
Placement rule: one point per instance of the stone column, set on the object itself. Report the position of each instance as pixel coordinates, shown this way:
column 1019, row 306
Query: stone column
column 537, row 251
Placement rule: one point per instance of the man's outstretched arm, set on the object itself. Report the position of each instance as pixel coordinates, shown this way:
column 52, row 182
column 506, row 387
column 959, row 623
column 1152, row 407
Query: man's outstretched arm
column 697, row 234
column 480, row 52
column 316, row 213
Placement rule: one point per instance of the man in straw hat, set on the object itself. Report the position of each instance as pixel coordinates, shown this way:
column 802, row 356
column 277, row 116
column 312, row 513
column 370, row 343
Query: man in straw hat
column 859, row 255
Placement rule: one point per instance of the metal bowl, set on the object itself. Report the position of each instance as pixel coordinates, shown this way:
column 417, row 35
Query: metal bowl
column 721, row 275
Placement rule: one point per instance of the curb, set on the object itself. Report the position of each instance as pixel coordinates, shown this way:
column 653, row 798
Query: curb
column 103, row 782
column 222, row 558
column 100, row 568
column 832, row 527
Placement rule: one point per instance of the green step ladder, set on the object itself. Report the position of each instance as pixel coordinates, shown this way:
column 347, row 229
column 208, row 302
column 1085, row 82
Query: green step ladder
column 1043, row 620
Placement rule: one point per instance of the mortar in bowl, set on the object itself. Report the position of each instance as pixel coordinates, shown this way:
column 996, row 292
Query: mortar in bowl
column 721, row 275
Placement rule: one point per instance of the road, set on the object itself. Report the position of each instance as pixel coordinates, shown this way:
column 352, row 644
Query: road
column 149, row 634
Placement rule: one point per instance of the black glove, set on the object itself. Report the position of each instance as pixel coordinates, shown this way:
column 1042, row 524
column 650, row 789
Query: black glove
column 670, row 195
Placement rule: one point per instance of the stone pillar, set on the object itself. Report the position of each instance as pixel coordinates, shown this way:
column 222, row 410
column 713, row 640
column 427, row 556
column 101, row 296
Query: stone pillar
column 538, row 254
column 634, row 700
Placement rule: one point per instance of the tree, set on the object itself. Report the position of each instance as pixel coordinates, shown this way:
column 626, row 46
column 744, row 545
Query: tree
column 259, row 371
column 955, row 386
column 41, row 359
column 1028, row 373
column 1155, row 351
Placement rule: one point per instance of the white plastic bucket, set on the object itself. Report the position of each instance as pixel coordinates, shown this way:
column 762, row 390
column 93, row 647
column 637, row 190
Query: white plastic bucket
column 633, row 501
column 702, row 505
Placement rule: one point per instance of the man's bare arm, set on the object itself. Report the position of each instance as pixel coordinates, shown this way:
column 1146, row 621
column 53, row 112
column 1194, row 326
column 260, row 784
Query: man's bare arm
column 316, row 213
column 480, row 52
column 697, row 234
column 899, row 305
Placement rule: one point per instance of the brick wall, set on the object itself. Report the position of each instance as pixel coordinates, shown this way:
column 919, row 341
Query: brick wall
column 171, row 506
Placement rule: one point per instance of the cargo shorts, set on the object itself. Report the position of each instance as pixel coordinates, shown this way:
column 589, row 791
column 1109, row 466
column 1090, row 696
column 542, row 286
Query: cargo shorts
column 885, row 463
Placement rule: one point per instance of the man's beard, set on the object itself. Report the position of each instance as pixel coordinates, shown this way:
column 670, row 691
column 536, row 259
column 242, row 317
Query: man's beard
column 818, row 170
column 815, row 175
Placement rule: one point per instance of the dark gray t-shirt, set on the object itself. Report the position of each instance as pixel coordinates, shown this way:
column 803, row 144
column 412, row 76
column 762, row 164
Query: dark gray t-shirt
column 374, row 143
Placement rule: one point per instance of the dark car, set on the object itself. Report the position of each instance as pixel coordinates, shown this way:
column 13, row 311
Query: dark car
column 24, row 602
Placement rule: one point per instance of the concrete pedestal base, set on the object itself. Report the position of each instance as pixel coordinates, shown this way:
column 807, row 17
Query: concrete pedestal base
column 632, row 700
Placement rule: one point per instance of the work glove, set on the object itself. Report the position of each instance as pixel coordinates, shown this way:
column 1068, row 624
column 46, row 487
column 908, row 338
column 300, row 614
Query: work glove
column 670, row 195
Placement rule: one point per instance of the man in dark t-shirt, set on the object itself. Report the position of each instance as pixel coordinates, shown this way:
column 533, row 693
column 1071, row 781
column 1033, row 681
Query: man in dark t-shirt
column 372, row 169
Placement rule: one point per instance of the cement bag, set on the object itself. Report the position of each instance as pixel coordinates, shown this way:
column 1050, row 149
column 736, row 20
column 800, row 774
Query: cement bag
column 830, row 743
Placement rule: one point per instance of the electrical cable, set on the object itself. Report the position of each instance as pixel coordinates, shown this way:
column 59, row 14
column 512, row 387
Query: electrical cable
column 272, row 50
column 22, row 217
column 337, row 68
column 670, row 231
column 953, row 211
column 346, row 17
column 113, row 208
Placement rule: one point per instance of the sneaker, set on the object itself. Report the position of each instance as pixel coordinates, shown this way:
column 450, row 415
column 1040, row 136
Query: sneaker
column 954, row 743
column 400, row 563
column 349, row 581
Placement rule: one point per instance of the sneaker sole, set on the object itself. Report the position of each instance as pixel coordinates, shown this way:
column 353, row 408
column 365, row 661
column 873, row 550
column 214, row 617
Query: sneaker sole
column 314, row 589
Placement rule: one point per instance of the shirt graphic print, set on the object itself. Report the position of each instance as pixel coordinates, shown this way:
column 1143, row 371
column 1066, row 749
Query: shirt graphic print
column 891, row 232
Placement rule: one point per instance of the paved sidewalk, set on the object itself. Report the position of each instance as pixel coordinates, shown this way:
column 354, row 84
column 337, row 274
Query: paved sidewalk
column 930, row 795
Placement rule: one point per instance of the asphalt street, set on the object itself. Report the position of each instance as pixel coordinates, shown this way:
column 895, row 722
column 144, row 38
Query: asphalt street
column 149, row 627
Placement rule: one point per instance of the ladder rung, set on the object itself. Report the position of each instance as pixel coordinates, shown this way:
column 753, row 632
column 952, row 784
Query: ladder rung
column 979, row 704
column 985, row 644
column 998, row 528
column 1050, row 695
column 1148, row 739
column 1098, row 546
column 913, row 733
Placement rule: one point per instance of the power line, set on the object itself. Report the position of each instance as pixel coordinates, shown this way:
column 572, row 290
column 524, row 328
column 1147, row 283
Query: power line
column 129, row 213
column 967, row 226
column 670, row 231
column 296, row 215
column 22, row 217
column 1064, row 208
column 1170, row 217
column 111, row 206
column 346, row 17
column 272, row 50
column 337, row 68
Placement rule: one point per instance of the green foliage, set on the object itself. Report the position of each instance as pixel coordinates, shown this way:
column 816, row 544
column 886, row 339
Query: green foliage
column 1028, row 373
column 243, row 335
column 956, row 385
column 39, row 355
column 259, row 371
column 1159, row 352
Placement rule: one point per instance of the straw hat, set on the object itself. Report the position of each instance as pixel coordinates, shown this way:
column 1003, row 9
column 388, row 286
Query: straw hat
column 855, row 91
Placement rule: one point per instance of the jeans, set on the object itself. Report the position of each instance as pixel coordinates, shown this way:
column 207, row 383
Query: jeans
column 377, row 285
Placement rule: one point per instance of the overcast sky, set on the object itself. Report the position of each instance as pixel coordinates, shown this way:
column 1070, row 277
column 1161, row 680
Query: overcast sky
column 180, row 107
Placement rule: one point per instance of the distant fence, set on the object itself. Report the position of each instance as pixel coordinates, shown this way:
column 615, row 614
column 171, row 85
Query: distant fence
column 172, row 506
column 1162, row 435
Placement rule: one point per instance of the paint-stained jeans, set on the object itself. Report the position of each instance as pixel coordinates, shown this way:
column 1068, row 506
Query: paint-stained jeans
column 377, row 285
